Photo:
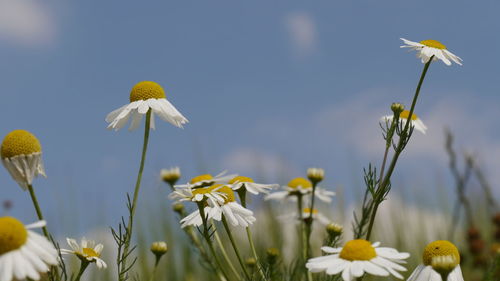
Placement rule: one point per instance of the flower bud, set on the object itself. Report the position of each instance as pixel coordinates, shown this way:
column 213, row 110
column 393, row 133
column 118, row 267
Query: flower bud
column 178, row 208
column 272, row 255
column 250, row 262
column 334, row 229
column 171, row 176
column 315, row 175
column 397, row 108
column 159, row 248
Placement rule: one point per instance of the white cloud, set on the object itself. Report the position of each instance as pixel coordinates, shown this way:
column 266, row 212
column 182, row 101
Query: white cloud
column 303, row 34
column 26, row 22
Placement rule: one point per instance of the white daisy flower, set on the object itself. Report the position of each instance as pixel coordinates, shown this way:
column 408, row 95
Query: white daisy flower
column 24, row 253
column 144, row 96
column 440, row 258
column 87, row 250
column 301, row 186
column 209, row 193
column 235, row 214
column 207, row 180
column 428, row 48
column 358, row 257
column 415, row 121
column 306, row 212
column 255, row 188
column 21, row 155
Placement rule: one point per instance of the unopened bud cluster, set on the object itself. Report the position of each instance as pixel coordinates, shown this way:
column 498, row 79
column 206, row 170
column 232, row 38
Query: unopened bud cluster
column 397, row 108
column 334, row 230
column 315, row 175
column 272, row 255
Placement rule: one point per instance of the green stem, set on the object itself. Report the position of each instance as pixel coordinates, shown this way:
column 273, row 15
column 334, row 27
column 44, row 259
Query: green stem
column 225, row 255
column 242, row 195
column 136, row 195
column 209, row 241
column 399, row 148
column 154, row 269
column 83, row 266
column 308, row 223
column 236, row 251
column 38, row 210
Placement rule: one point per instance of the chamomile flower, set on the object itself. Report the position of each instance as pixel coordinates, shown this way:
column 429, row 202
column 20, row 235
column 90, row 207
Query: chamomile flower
column 170, row 176
column 235, row 214
column 21, row 155
column 428, row 48
column 439, row 257
column 86, row 251
column 306, row 212
column 358, row 257
column 302, row 187
column 414, row 121
column 255, row 188
column 24, row 253
column 144, row 96
column 207, row 180
column 210, row 194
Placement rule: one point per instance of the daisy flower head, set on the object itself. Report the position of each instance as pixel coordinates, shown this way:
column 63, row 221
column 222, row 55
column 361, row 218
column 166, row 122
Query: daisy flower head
column 24, row 253
column 145, row 96
column 207, row 180
column 21, row 155
column 358, row 257
column 301, row 187
column 432, row 48
column 440, row 258
column 315, row 174
column 210, row 195
column 235, row 214
column 403, row 117
column 86, row 251
column 249, row 185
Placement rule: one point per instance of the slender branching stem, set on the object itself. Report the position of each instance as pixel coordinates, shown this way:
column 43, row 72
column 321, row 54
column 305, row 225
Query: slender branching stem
column 403, row 139
column 224, row 254
column 38, row 210
column 83, row 267
column 128, row 236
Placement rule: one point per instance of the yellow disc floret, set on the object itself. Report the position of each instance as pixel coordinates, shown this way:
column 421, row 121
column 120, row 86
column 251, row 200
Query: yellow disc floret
column 406, row 113
column 308, row 211
column 146, row 90
column 433, row 44
column 199, row 178
column 13, row 234
column 358, row 250
column 241, row 179
column 440, row 248
column 302, row 182
column 227, row 192
column 90, row 253
column 19, row 142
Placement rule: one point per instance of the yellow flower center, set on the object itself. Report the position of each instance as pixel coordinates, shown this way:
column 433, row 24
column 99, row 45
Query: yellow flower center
column 89, row 252
column 146, row 90
column 433, row 44
column 227, row 191
column 308, row 211
column 13, row 234
column 440, row 248
column 241, row 179
column 19, row 142
column 406, row 113
column 201, row 178
column 358, row 250
column 302, row 182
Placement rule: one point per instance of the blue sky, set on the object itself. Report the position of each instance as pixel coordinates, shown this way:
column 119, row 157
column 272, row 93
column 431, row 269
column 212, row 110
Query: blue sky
column 270, row 88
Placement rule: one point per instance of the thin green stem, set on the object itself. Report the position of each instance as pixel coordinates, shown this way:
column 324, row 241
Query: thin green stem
column 225, row 255
column 399, row 149
column 157, row 260
column 38, row 210
column 83, row 266
column 236, row 251
column 206, row 235
column 136, row 196
column 308, row 223
column 242, row 195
